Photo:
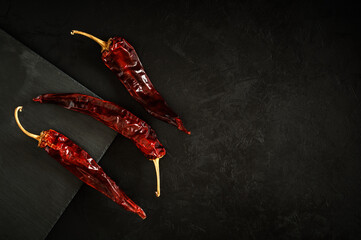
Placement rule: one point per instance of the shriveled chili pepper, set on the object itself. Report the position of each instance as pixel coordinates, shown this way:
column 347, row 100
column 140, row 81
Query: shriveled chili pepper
column 115, row 117
column 81, row 164
column 120, row 57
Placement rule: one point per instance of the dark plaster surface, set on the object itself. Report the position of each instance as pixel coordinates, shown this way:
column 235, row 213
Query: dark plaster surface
column 270, row 90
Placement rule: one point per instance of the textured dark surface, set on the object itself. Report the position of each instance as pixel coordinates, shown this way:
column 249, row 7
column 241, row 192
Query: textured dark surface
column 35, row 189
column 270, row 91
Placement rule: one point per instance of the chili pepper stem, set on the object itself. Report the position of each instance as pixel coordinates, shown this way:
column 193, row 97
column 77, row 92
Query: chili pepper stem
column 103, row 44
column 156, row 165
column 20, row 108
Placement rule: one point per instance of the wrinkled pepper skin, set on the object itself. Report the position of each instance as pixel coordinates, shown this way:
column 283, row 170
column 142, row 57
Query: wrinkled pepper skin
column 112, row 115
column 122, row 59
column 82, row 165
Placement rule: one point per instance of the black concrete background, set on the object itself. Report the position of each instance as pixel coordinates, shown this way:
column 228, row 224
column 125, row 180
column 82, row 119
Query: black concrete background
column 270, row 90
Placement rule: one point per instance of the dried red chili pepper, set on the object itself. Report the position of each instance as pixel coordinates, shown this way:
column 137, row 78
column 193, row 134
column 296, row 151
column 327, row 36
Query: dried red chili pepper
column 115, row 117
column 120, row 57
column 81, row 164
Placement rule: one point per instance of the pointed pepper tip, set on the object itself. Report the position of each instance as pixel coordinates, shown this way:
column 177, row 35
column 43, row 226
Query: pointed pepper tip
column 142, row 214
column 37, row 99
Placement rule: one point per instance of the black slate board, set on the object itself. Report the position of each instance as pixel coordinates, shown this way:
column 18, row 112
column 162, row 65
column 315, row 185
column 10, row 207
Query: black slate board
column 35, row 189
